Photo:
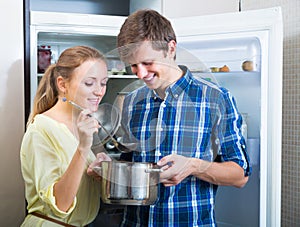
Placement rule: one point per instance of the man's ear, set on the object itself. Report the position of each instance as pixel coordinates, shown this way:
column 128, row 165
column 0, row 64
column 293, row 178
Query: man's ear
column 172, row 48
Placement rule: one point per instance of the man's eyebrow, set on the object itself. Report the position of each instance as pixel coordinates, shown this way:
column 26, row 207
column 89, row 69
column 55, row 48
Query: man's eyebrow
column 143, row 61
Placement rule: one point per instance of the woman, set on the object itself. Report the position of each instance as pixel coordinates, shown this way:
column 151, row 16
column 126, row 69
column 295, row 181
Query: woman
column 56, row 148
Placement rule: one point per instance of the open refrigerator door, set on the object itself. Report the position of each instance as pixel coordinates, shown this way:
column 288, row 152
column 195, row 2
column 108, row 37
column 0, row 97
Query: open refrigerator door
column 244, row 56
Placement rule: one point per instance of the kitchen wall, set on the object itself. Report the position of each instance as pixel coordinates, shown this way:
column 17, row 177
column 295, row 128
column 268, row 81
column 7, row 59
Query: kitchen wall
column 290, row 195
column 179, row 8
column 12, row 206
column 138, row 4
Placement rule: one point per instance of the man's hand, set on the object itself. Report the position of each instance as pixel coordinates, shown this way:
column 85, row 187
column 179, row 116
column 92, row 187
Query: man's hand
column 174, row 174
column 181, row 168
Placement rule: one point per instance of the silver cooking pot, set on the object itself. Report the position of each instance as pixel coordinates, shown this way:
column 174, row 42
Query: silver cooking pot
column 129, row 183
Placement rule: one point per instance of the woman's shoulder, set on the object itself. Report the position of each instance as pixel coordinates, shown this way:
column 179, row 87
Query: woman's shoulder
column 44, row 124
column 42, row 121
column 44, row 128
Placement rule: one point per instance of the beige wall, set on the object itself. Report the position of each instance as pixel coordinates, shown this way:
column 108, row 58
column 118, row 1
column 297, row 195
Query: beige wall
column 183, row 8
column 12, row 205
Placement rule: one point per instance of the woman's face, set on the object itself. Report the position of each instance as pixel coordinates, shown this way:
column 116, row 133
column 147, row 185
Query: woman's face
column 88, row 84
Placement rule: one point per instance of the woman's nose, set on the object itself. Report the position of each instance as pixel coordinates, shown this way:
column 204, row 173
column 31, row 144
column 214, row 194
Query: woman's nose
column 100, row 90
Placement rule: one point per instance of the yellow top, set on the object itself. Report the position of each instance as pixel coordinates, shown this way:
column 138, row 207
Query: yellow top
column 46, row 151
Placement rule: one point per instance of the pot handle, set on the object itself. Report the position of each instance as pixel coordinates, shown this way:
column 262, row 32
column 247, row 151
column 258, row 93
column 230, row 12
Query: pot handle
column 154, row 170
column 98, row 170
column 158, row 168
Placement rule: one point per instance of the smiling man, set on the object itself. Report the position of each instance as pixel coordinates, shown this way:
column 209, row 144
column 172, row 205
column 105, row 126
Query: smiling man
column 179, row 119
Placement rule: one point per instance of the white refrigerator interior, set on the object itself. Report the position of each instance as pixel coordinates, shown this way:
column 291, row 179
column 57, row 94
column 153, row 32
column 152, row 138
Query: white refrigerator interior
column 58, row 31
column 205, row 42
column 245, row 86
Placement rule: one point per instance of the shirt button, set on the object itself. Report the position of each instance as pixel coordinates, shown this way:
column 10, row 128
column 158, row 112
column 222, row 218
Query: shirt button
column 176, row 95
column 161, row 129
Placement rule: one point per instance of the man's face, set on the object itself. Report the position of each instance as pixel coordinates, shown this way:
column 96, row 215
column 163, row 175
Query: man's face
column 152, row 66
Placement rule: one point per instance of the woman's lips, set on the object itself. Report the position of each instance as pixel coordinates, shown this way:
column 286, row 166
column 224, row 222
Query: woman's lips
column 94, row 102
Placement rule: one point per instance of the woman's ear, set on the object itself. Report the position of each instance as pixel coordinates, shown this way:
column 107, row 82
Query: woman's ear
column 61, row 84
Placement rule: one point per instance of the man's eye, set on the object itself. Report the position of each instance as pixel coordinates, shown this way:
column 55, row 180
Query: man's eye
column 147, row 63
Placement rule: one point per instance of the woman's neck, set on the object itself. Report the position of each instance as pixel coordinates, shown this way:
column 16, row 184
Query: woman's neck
column 64, row 113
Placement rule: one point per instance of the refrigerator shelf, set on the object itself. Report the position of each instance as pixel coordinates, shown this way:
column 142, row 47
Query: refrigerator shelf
column 224, row 73
column 123, row 76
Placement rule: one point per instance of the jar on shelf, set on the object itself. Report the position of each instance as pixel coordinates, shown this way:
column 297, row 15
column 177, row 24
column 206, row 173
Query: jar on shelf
column 44, row 58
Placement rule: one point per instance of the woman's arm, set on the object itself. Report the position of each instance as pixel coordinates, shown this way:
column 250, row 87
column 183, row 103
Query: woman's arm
column 66, row 188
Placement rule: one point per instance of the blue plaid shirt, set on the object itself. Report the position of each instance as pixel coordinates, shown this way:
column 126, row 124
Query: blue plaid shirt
column 194, row 111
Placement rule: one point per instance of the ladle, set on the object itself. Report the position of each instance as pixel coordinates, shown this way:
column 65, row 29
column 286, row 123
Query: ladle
column 123, row 147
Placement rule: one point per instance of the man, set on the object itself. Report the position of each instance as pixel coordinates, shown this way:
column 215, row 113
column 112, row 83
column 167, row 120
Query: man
column 181, row 120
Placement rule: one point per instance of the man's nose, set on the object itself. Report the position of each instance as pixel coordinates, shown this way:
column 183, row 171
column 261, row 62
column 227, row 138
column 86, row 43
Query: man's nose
column 140, row 70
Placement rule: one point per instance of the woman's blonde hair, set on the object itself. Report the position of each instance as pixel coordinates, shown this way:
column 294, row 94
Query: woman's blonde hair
column 47, row 92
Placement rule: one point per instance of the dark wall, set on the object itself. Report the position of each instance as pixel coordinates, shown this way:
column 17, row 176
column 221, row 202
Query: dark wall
column 104, row 7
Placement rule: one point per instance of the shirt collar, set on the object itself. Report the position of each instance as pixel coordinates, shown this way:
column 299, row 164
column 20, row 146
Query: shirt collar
column 180, row 85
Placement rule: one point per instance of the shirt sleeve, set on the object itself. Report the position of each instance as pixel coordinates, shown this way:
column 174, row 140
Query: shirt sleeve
column 43, row 164
column 232, row 143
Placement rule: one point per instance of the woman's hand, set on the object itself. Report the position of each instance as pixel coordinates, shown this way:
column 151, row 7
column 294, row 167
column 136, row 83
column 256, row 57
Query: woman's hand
column 99, row 158
column 86, row 126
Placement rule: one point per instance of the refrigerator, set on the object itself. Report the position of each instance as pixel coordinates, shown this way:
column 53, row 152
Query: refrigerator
column 218, row 48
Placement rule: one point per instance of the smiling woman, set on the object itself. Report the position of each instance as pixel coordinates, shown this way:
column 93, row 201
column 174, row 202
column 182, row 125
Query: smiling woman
column 56, row 148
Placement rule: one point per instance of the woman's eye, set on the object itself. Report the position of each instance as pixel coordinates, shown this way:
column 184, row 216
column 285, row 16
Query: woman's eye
column 89, row 84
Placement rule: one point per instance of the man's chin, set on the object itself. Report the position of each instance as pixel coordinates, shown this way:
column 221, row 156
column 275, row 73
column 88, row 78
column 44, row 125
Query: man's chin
column 151, row 84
